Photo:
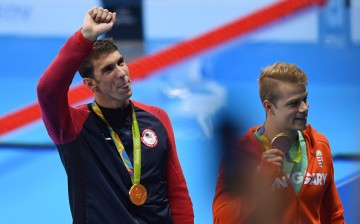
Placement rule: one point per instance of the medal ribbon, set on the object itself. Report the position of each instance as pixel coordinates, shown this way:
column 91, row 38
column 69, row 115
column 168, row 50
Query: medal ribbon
column 294, row 154
column 134, row 172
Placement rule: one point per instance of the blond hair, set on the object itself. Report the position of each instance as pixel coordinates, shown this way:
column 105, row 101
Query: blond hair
column 271, row 76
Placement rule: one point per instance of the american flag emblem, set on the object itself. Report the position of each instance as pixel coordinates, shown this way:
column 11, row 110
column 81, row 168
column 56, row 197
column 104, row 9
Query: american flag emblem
column 319, row 158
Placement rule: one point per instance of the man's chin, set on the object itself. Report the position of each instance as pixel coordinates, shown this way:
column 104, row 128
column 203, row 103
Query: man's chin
column 302, row 127
column 128, row 95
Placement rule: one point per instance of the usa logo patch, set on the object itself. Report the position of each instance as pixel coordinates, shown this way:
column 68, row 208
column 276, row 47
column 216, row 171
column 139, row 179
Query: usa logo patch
column 149, row 138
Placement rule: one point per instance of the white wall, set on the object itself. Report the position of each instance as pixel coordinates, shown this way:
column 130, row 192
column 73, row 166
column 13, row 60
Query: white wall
column 42, row 17
column 355, row 20
column 164, row 19
column 181, row 19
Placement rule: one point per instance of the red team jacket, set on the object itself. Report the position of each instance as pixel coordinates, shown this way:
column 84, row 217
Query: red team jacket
column 317, row 202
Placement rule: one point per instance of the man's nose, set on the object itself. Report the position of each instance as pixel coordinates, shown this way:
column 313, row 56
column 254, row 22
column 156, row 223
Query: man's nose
column 120, row 71
column 304, row 106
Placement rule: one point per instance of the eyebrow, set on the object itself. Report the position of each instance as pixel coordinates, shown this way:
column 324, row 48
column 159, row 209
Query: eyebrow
column 103, row 69
column 297, row 99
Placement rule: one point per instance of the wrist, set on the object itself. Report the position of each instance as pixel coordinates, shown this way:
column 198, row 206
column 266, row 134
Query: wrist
column 88, row 35
column 82, row 40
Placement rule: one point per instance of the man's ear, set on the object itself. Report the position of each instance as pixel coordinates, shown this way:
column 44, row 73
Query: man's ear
column 90, row 84
column 267, row 106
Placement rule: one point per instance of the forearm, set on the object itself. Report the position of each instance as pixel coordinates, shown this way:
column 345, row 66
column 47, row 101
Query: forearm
column 56, row 79
column 179, row 199
column 53, row 86
column 180, row 203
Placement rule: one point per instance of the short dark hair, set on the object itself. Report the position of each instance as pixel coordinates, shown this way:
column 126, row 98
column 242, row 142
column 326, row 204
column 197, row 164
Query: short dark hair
column 100, row 47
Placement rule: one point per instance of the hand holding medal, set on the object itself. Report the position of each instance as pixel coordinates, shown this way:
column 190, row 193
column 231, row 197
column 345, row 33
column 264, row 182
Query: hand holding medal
column 282, row 142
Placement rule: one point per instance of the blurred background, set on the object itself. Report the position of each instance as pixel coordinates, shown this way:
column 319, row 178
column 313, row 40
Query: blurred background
column 199, row 61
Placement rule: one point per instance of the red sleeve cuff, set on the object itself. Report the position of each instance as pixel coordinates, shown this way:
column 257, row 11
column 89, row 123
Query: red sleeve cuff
column 82, row 40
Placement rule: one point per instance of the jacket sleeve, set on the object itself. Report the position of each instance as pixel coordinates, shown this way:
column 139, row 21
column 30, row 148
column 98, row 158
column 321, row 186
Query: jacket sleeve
column 242, row 178
column 180, row 202
column 177, row 192
column 53, row 87
column 226, row 207
column 331, row 210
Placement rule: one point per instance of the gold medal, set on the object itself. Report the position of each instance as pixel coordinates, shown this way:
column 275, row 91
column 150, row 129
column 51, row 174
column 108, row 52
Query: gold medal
column 138, row 194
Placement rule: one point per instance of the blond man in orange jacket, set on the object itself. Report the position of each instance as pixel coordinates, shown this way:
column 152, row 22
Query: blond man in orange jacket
column 261, row 182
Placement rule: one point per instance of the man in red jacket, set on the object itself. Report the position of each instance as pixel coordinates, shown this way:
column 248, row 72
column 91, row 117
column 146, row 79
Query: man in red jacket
column 283, row 170
column 119, row 155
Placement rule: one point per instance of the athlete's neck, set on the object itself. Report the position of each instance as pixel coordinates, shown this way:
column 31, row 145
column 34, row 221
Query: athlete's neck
column 112, row 104
column 116, row 116
column 271, row 131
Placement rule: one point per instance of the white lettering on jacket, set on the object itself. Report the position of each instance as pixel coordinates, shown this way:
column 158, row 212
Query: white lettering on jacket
column 318, row 179
column 315, row 178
